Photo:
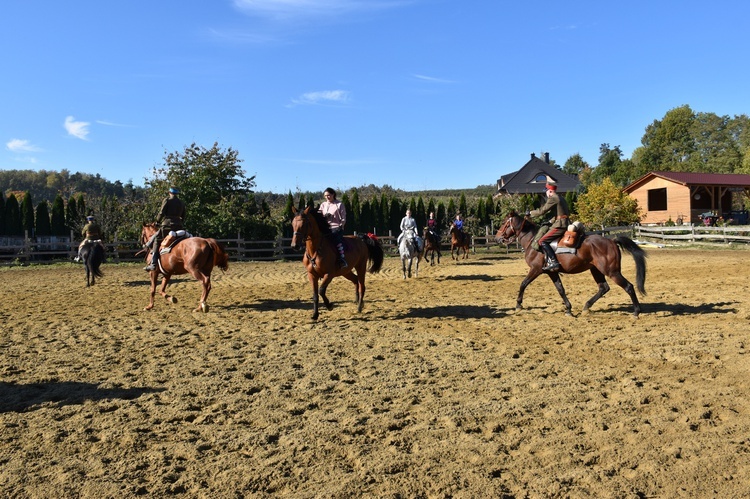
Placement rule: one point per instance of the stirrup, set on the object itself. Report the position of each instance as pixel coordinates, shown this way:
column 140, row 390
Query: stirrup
column 551, row 266
column 149, row 267
column 342, row 263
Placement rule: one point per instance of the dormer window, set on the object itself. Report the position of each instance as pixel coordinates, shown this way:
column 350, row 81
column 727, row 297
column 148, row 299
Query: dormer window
column 540, row 179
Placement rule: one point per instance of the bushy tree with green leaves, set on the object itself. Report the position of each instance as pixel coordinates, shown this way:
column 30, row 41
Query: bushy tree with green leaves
column 217, row 193
column 605, row 205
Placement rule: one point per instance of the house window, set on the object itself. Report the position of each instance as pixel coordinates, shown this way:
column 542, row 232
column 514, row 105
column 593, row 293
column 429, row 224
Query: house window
column 657, row 199
column 542, row 178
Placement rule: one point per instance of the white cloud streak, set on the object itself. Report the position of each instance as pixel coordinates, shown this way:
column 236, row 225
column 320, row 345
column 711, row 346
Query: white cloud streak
column 432, row 79
column 20, row 145
column 295, row 9
column 322, row 97
column 77, row 129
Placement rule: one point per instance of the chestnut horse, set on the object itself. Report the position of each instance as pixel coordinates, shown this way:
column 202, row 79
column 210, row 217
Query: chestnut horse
column 431, row 245
column 194, row 255
column 459, row 240
column 596, row 253
column 311, row 231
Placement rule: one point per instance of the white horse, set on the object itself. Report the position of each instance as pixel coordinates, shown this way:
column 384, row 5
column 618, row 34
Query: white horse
column 409, row 249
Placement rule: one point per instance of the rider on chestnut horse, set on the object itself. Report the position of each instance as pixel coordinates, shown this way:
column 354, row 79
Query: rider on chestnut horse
column 171, row 217
column 558, row 224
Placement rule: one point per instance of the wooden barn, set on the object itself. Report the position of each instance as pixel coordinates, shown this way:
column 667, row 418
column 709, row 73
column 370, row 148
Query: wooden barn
column 686, row 197
column 532, row 177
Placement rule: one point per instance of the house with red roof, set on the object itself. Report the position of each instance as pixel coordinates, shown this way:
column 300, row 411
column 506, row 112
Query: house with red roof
column 690, row 197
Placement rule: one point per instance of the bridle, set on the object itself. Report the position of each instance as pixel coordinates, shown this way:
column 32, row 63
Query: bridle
column 508, row 225
column 299, row 234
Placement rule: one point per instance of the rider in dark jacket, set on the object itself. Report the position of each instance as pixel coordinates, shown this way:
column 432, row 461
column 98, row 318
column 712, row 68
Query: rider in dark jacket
column 171, row 217
column 559, row 222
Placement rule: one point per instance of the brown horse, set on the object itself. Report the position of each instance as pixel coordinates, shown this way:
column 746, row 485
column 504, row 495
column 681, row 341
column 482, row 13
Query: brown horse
column 459, row 240
column 311, row 230
column 431, row 245
column 195, row 256
column 596, row 253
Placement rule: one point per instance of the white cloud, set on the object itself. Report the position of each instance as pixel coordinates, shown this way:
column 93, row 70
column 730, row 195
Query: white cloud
column 294, row 9
column 322, row 97
column 78, row 129
column 432, row 79
column 20, row 145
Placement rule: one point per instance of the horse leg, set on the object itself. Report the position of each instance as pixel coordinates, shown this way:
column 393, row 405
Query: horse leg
column 403, row 267
column 314, row 283
column 205, row 281
column 163, row 290
column 152, row 291
column 620, row 280
column 533, row 274
column 603, row 289
column 323, row 286
column 555, row 276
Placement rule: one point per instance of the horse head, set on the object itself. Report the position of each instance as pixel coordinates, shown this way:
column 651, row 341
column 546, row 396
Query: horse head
column 148, row 230
column 305, row 225
column 511, row 229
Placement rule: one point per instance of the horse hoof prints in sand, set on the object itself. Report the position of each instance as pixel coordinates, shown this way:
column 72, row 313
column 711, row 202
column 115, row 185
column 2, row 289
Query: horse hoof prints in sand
column 196, row 256
column 311, row 232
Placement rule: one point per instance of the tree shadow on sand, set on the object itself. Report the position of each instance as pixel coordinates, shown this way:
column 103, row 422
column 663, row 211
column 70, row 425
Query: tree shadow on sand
column 457, row 311
column 26, row 397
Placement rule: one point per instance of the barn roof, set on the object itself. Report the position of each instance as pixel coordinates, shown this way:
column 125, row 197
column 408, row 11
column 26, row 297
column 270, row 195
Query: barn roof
column 531, row 178
column 690, row 178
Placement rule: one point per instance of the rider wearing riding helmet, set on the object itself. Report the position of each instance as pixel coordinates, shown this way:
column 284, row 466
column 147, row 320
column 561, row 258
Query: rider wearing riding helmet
column 91, row 232
column 559, row 223
column 171, row 217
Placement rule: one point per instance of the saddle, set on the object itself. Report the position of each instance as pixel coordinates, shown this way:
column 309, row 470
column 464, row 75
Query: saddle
column 571, row 240
column 173, row 238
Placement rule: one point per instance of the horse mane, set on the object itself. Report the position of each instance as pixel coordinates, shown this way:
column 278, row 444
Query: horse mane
column 320, row 220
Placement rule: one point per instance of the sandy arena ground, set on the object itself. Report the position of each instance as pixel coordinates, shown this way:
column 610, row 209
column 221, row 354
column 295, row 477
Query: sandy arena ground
column 438, row 389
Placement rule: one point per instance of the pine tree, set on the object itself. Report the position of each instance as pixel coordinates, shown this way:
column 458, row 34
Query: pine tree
column 13, row 226
column 43, row 227
column 2, row 215
column 27, row 214
column 57, row 225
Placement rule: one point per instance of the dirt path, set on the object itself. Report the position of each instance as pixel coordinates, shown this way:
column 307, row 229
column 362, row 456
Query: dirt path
column 438, row 389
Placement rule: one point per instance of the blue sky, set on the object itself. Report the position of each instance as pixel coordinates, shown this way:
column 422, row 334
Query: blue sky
column 417, row 94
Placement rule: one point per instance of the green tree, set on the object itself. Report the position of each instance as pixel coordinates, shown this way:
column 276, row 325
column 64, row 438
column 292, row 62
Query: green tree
column 57, row 225
column 668, row 143
column 43, row 227
column 27, row 214
column 574, row 165
column 462, row 206
column 13, row 225
column 605, row 205
column 2, row 214
column 218, row 196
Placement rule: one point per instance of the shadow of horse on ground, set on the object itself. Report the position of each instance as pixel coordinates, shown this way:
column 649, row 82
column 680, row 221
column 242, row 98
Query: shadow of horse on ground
column 24, row 397
column 266, row 305
column 482, row 278
column 456, row 311
column 684, row 309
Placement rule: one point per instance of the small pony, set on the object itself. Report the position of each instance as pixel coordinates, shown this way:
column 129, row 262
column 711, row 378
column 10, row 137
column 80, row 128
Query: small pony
column 92, row 255
column 408, row 248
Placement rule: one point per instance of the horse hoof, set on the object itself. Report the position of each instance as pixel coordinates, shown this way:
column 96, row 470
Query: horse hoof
column 172, row 299
column 204, row 307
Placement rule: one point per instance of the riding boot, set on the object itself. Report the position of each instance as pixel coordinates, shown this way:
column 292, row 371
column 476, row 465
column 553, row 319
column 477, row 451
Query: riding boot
column 154, row 260
column 551, row 265
column 341, row 260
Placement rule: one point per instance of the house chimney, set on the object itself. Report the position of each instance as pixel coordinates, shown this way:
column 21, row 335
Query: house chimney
column 546, row 157
column 533, row 155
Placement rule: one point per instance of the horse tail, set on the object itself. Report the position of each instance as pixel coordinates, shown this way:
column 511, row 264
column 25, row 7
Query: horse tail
column 639, row 255
column 221, row 259
column 374, row 253
column 96, row 259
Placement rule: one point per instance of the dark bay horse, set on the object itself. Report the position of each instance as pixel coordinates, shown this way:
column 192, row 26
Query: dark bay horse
column 196, row 256
column 459, row 240
column 311, row 231
column 596, row 253
column 92, row 255
column 431, row 245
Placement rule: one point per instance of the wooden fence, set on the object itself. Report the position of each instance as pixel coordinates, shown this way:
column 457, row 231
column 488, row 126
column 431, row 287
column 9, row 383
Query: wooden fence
column 49, row 249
